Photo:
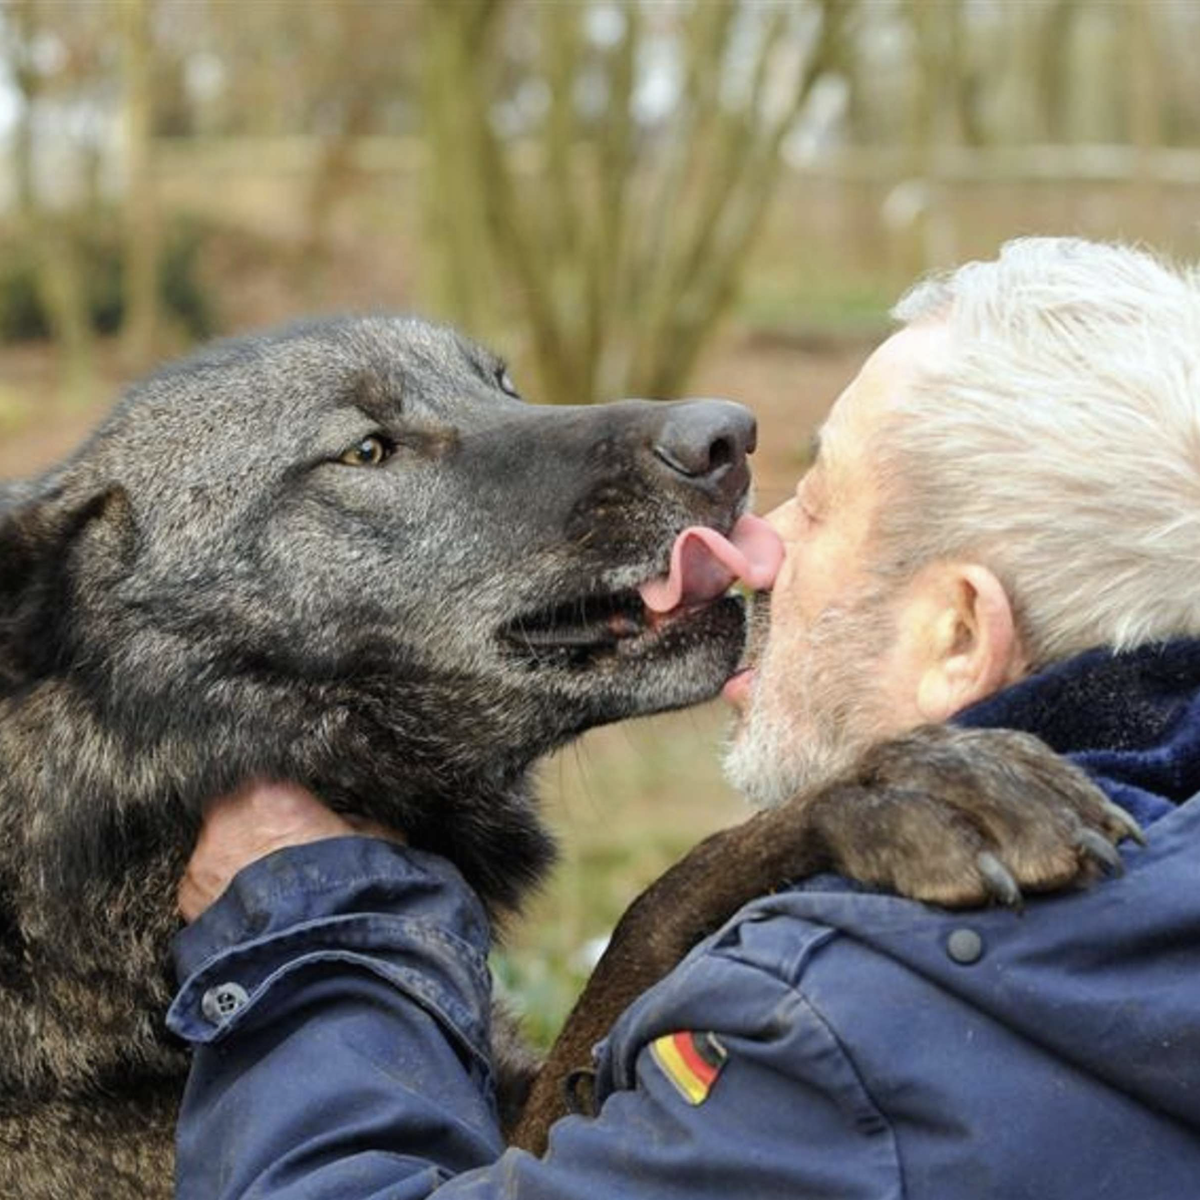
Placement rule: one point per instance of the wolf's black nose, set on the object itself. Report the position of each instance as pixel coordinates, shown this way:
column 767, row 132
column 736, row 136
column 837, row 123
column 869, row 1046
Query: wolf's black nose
column 707, row 441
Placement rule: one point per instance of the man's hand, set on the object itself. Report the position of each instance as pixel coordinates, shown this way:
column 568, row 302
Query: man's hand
column 256, row 820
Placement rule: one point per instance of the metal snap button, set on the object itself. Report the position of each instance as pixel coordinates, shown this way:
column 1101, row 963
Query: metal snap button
column 219, row 1003
column 965, row 947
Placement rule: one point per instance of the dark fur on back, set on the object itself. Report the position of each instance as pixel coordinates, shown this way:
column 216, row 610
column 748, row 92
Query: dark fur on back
column 205, row 592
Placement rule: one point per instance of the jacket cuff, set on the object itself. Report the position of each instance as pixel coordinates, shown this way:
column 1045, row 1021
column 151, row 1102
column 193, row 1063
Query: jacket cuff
column 401, row 914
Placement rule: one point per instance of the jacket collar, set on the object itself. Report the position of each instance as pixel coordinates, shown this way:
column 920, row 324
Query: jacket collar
column 1131, row 720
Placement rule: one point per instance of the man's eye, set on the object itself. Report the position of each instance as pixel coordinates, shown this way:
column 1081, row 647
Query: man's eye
column 370, row 452
column 505, row 383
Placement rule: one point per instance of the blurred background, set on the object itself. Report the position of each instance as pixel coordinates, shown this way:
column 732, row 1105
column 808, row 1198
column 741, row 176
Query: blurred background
column 626, row 197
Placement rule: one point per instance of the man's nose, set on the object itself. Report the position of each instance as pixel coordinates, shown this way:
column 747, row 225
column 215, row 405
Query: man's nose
column 706, row 442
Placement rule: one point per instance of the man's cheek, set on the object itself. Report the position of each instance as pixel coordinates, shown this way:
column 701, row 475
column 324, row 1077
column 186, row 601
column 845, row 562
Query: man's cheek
column 785, row 632
column 769, row 690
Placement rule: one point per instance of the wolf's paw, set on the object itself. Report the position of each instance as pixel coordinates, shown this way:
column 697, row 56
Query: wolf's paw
column 965, row 817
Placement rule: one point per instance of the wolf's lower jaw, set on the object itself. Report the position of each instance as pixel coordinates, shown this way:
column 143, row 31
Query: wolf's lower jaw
column 579, row 632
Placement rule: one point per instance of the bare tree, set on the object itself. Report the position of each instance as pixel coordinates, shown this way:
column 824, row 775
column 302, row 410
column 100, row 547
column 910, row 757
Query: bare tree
column 59, row 274
column 356, row 56
column 617, row 233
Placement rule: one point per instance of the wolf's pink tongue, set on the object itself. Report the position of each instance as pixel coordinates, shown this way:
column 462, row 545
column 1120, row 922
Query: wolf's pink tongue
column 704, row 564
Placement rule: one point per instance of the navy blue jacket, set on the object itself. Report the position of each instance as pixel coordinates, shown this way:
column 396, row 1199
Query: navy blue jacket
column 828, row 1042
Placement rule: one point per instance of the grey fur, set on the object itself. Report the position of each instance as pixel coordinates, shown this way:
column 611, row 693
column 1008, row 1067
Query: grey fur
column 204, row 593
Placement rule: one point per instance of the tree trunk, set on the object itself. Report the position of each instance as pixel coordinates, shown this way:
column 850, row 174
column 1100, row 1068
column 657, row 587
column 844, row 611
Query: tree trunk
column 619, row 246
column 141, row 224
column 59, row 274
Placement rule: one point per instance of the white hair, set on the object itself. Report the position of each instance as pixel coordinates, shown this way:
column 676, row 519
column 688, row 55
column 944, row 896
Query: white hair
column 1060, row 442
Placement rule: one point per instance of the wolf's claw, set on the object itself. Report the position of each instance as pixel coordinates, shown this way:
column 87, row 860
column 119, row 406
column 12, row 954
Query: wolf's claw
column 1127, row 823
column 999, row 882
column 1101, row 849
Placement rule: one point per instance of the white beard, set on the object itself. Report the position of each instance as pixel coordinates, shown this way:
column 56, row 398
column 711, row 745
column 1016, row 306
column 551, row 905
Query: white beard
column 811, row 716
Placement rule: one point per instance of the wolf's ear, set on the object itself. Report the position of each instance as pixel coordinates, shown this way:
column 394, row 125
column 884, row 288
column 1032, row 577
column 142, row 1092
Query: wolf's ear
column 41, row 570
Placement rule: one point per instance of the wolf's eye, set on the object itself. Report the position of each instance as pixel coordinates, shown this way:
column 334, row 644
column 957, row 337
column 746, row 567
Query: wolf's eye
column 505, row 383
column 370, row 452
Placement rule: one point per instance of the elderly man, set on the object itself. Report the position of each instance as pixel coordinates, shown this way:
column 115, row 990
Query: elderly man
column 1001, row 528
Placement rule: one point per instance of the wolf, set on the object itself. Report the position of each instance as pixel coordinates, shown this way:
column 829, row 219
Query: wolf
column 349, row 554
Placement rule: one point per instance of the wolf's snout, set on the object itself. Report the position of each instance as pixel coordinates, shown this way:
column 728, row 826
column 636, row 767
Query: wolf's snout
column 707, row 442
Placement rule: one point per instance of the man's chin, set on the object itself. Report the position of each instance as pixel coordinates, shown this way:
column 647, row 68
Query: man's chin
column 812, row 706
column 770, row 759
column 756, row 763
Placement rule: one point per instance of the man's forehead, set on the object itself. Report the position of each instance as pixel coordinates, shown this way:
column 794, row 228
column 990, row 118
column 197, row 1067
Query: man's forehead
column 836, row 449
column 916, row 350
column 895, row 364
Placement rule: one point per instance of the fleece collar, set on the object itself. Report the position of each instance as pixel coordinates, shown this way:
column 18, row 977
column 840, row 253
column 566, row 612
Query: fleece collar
column 1131, row 720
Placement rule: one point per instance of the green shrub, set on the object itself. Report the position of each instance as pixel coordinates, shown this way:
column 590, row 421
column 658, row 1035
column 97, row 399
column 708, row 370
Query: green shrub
column 21, row 315
column 97, row 247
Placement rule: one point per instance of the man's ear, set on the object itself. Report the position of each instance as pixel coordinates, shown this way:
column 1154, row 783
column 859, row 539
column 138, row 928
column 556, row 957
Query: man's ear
column 42, row 571
column 972, row 647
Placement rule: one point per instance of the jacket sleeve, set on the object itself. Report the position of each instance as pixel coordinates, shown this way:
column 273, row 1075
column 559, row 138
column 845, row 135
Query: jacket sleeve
column 337, row 1001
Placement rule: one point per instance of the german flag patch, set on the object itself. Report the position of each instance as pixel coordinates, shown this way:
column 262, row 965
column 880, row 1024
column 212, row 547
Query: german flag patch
column 691, row 1061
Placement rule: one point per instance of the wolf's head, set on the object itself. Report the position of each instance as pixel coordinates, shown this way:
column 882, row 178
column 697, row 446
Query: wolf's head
column 350, row 555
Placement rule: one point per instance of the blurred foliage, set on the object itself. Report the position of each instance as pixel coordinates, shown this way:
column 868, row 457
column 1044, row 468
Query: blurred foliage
column 96, row 244
column 619, row 231
column 591, row 178
column 842, row 305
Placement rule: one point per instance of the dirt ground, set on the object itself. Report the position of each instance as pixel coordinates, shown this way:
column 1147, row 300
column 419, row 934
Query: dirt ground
column 627, row 800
